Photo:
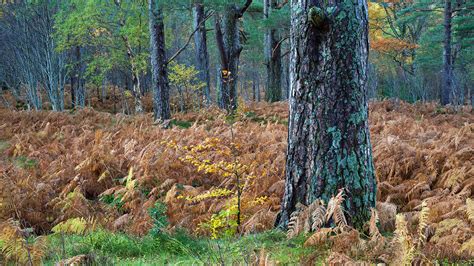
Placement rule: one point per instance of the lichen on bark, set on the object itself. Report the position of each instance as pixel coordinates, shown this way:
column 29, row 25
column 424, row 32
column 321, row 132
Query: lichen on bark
column 329, row 141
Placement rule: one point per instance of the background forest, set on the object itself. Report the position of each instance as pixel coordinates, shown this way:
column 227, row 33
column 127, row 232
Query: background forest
column 89, row 176
column 61, row 54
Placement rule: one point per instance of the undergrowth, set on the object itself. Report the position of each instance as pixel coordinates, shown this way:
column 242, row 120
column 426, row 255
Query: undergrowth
column 109, row 248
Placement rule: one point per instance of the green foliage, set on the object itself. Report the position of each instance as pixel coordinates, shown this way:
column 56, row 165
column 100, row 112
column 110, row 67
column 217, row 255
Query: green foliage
column 181, row 123
column 25, row 162
column 159, row 218
column 224, row 223
column 185, row 77
column 114, row 201
column 103, row 27
column 180, row 248
column 4, row 145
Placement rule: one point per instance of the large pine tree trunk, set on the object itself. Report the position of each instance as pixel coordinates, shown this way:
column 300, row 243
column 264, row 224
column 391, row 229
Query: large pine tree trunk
column 160, row 82
column 447, row 87
column 200, row 41
column 272, row 56
column 328, row 139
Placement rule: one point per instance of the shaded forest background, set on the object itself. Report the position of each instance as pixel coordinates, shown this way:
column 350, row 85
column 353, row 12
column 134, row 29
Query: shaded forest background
column 61, row 54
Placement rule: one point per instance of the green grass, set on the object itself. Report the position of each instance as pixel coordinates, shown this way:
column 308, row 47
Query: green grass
column 181, row 123
column 179, row 249
column 4, row 144
column 25, row 162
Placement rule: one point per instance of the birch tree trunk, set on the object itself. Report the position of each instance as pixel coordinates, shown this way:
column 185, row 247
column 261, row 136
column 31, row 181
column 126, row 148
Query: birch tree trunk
column 200, row 42
column 328, row 139
column 160, row 82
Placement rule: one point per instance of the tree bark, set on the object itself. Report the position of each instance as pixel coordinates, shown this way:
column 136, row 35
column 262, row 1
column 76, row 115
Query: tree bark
column 160, row 82
column 447, row 88
column 228, row 44
column 80, row 93
column 328, row 138
column 272, row 56
column 200, row 42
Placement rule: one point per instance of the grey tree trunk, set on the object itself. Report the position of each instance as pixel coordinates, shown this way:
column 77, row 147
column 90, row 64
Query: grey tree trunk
column 447, row 87
column 200, row 42
column 328, row 138
column 80, row 90
column 228, row 43
column 272, row 56
column 160, row 82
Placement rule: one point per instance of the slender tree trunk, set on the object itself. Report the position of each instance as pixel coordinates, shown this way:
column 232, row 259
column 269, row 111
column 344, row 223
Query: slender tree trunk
column 272, row 56
column 447, row 87
column 80, row 94
column 202, row 56
column 160, row 83
column 328, row 138
column 73, row 97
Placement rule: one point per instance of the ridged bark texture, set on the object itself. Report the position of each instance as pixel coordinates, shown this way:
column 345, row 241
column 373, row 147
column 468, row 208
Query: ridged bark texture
column 200, row 42
column 231, row 53
column 160, row 82
column 328, row 139
column 272, row 56
column 447, row 88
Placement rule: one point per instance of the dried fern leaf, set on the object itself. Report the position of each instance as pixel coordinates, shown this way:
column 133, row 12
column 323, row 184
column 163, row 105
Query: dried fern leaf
column 406, row 247
column 319, row 238
column 297, row 223
column 470, row 210
column 318, row 213
column 339, row 217
column 374, row 220
column 334, row 204
column 423, row 224
column 293, row 225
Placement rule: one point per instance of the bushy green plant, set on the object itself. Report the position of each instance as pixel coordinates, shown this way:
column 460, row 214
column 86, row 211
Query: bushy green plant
column 160, row 220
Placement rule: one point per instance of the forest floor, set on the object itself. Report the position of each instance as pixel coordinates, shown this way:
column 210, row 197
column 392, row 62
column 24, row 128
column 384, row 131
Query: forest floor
column 138, row 187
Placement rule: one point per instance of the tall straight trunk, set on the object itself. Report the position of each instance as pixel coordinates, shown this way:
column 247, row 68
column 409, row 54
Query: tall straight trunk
column 73, row 97
column 328, row 137
column 230, row 49
column 136, row 84
column 160, row 82
column 447, row 87
column 272, row 56
column 228, row 44
column 200, row 41
column 80, row 94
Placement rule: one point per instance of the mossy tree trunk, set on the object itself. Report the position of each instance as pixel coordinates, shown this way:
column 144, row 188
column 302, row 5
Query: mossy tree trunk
column 328, row 140
column 159, row 64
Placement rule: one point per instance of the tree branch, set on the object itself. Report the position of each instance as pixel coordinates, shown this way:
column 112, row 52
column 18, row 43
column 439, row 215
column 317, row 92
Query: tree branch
column 220, row 43
column 278, row 45
column 244, row 8
column 190, row 38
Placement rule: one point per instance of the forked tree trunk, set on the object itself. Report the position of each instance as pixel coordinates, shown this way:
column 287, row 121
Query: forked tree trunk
column 160, row 82
column 447, row 87
column 202, row 56
column 272, row 56
column 228, row 44
column 227, row 32
column 328, row 139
